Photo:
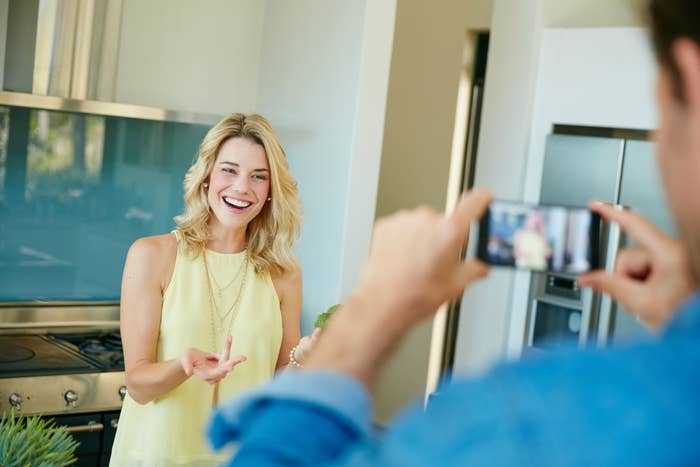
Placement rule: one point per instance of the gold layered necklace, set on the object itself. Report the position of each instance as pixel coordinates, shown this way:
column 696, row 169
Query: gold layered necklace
column 219, row 289
column 226, row 319
column 223, row 319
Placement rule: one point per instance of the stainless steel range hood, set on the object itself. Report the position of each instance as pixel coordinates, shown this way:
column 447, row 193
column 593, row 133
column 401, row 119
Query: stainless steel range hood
column 113, row 109
column 63, row 48
column 63, row 55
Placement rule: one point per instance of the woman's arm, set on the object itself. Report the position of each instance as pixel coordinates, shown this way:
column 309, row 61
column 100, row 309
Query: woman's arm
column 148, row 269
column 288, row 287
column 147, row 272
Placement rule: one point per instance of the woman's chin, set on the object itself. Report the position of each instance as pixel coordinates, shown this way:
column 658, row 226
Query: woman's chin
column 237, row 220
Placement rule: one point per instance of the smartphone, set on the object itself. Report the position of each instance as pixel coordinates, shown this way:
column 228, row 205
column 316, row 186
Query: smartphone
column 558, row 239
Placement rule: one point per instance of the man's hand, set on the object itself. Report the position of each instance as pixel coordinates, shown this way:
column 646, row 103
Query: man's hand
column 209, row 366
column 414, row 266
column 650, row 279
column 415, row 260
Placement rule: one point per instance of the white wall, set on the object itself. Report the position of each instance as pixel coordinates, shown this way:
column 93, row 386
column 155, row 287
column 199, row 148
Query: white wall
column 368, row 134
column 187, row 55
column 313, row 87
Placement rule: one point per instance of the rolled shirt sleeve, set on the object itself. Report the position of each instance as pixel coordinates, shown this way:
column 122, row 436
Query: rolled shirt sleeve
column 635, row 405
column 316, row 413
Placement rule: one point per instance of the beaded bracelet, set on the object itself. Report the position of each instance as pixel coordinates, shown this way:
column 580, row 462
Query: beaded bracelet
column 292, row 359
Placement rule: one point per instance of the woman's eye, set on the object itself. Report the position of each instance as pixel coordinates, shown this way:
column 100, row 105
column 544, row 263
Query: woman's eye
column 229, row 170
column 259, row 177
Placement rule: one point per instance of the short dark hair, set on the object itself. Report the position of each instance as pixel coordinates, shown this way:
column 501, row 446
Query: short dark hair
column 672, row 20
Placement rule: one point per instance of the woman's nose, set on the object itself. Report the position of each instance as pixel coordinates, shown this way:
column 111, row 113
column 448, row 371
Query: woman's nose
column 241, row 185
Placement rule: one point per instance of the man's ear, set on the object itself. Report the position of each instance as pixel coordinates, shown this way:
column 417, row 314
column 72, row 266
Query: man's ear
column 686, row 54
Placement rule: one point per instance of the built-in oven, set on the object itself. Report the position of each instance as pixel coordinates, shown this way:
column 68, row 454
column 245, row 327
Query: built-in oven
column 560, row 313
column 94, row 433
column 65, row 363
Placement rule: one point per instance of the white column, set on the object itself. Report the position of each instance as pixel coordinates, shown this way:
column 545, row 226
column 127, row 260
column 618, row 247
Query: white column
column 511, row 76
column 368, row 132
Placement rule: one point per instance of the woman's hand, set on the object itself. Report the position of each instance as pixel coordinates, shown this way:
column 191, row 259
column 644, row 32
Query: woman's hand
column 305, row 346
column 209, row 366
column 651, row 279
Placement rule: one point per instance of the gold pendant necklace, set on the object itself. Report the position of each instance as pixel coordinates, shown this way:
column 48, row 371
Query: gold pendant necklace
column 226, row 319
column 223, row 312
column 231, row 314
column 219, row 289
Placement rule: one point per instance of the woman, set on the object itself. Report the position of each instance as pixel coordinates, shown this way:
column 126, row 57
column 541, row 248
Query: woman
column 225, row 280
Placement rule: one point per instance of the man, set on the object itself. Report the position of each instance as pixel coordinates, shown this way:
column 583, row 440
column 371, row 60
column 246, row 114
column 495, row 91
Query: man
column 636, row 405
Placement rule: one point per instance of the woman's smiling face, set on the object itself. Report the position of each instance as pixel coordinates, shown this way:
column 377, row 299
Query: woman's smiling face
column 239, row 183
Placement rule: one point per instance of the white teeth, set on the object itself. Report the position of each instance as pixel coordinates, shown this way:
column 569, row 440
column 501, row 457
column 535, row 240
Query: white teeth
column 237, row 203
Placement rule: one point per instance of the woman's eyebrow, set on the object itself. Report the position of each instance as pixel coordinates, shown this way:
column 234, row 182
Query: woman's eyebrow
column 235, row 164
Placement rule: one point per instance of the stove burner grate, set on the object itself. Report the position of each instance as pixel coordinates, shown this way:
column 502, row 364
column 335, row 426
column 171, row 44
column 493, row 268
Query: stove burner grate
column 103, row 348
column 92, row 347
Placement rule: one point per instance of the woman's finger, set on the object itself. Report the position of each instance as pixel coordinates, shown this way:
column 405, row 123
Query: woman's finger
column 304, row 344
column 233, row 361
column 315, row 336
column 187, row 365
column 227, row 348
column 238, row 359
column 210, row 373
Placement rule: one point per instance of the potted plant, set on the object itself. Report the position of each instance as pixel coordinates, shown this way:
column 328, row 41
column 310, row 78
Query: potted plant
column 34, row 441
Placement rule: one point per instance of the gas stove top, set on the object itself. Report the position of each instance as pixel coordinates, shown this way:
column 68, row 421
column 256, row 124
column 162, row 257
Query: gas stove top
column 61, row 373
column 28, row 355
column 103, row 349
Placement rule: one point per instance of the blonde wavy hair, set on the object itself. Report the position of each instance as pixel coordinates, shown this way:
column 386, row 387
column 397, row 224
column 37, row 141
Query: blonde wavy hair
column 272, row 232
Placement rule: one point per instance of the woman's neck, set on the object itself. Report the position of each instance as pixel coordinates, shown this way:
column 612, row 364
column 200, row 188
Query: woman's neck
column 226, row 240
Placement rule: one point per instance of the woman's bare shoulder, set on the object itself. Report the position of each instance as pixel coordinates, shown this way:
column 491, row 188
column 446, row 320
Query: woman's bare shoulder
column 154, row 256
column 288, row 283
column 156, row 247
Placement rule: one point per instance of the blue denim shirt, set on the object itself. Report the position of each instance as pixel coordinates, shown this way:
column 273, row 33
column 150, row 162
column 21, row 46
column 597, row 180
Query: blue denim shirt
column 637, row 405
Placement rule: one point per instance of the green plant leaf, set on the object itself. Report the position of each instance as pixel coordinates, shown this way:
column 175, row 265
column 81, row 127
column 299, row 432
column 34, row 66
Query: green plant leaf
column 34, row 441
column 322, row 319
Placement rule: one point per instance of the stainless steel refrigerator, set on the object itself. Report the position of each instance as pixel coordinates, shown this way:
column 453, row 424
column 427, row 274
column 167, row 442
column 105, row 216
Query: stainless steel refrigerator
column 617, row 169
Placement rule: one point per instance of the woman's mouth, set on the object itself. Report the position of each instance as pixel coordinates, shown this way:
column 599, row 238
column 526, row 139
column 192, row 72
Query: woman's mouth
column 236, row 205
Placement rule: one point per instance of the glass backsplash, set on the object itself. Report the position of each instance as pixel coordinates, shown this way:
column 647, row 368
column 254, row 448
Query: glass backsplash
column 76, row 190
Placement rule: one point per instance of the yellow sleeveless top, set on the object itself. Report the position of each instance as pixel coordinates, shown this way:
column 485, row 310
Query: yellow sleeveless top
column 170, row 431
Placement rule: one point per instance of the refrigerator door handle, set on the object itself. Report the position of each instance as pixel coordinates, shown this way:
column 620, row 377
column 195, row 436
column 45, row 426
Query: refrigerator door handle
column 586, row 315
column 605, row 312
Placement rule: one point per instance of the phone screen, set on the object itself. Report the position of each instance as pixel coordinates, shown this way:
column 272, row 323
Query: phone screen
column 542, row 238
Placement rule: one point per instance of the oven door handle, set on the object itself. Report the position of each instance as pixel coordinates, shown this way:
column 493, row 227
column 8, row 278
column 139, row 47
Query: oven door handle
column 90, row 427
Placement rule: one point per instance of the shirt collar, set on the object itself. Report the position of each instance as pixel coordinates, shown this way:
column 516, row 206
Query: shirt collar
column 687, row 318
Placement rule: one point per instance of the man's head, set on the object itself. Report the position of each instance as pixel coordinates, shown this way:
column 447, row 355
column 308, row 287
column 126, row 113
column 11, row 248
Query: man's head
column 676, row 34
